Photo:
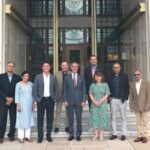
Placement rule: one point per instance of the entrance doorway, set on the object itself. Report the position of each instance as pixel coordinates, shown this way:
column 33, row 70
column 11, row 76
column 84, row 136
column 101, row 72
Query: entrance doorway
column 76, row 53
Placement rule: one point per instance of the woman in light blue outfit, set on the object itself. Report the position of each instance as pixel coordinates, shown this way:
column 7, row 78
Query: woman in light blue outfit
column 25, row 108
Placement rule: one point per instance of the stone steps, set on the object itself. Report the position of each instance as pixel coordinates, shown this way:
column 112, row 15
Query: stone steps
column 131, row 124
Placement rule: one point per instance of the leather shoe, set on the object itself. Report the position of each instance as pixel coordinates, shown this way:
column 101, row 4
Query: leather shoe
column 113, row 137
column 70, row 138
column 123, row 138
column 144, row 140
column 56, row 130
column 1, row 140
column 67, row 129
column 39, row 140
column 49, row 139
column 138, row 139
column 78, row 138
column 11, row 139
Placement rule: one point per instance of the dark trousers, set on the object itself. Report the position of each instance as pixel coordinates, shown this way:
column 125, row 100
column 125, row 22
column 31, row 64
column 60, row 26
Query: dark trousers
column 48, row 105
column 4, row 109
column 77, row 109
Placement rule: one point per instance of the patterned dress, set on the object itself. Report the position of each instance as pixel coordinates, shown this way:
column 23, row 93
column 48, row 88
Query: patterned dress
column 99, row 116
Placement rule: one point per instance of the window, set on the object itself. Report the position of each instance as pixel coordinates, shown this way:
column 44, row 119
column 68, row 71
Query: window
column 107, row 7
column 104, row 33
column 74, row 36
column 69, row 7
column 41, row 8
column 74, row 7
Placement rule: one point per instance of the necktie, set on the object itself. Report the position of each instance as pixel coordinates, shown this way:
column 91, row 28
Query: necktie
column 74, row 80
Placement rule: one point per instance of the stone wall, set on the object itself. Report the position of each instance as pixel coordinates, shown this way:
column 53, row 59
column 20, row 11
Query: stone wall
column 135, row 41
column 15, row 38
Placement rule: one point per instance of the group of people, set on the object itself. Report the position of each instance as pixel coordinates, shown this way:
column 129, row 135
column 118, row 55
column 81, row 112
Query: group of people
column 18, row 97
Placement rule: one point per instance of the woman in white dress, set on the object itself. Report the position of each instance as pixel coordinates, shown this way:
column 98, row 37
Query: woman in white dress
column 25, row 108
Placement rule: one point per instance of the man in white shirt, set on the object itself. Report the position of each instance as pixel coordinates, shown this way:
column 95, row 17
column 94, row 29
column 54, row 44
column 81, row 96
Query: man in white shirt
column 140, row 104
column 45, row 94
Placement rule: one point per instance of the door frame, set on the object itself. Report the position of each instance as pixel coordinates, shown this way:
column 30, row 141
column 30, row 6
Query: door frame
column 83, row 55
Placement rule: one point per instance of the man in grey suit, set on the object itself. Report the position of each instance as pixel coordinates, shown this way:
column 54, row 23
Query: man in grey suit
column 74, row 100
column 60, row 76
column 45, row 94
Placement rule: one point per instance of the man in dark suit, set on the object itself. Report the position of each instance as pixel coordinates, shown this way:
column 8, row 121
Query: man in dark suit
column 8, row 82
column 119, row 87
column 74, row 99
column 89, row 75
column 45, row 94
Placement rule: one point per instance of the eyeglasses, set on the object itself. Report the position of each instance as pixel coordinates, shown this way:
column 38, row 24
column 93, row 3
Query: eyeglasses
column 136, row 75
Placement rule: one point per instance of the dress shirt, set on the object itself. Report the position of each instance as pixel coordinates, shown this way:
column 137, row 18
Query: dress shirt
column 138, row 85
column 10, row 76
column 74, row 75
column 46, row 85
column 93, row 68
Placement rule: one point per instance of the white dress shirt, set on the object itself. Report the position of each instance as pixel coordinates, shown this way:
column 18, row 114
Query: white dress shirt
column 138, row 85
column 46, row 85
column 74, row 75
column 10, row 76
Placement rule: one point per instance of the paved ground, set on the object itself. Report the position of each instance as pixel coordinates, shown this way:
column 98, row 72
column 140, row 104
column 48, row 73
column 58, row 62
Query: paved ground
column 85, row 144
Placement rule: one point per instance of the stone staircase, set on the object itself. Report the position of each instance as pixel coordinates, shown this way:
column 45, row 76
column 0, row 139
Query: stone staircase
column 131, row 124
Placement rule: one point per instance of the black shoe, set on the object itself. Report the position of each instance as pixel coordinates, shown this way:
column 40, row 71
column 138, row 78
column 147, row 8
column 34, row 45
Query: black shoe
column 1, row 140
column 49, row 139
column 67, row 129
column 123, row 138
column 56, row 130
column 78, row 138
column 113, row 137
column 11, row 139
column 70, row 138
column 39, row 140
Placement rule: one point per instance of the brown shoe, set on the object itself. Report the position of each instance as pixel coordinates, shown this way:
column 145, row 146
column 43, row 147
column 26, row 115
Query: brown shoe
column 144, row 140
column 1, row 140
column 138, row 139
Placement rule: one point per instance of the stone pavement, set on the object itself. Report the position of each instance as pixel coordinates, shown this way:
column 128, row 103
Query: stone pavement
column 85, row 144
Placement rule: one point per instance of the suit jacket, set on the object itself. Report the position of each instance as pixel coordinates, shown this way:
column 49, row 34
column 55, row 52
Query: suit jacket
column 124, row 86
column 38, row 87
column 74, row 95
column 59, row 77
column 7, row 88
column 138, row 103
column 88, row 76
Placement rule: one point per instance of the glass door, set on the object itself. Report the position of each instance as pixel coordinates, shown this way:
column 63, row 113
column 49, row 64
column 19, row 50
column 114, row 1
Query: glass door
column 75, row 53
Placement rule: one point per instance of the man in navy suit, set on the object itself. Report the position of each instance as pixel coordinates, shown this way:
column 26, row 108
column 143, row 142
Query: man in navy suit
column 8, row 82
column 74, row 100
column 89, row 75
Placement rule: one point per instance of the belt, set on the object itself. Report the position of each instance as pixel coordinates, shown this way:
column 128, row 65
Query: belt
column 48, row 97
column 116, row 97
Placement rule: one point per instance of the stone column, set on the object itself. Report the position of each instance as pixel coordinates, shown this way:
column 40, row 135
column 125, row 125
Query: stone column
column 2, row 62
column 93, row 19
column 55, row 35
column 148, row 37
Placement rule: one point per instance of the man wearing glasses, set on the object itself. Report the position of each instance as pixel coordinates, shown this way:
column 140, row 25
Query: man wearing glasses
column 119, row 87
column 140, row 104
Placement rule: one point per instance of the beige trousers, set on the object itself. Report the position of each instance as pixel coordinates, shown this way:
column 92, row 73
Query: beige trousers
column 142, row 124
column 58, row 114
